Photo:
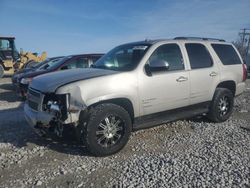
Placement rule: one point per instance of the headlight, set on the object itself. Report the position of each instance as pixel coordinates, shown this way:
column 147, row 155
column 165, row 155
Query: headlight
column 26, row 81
column 56, row 104
column 53, row 106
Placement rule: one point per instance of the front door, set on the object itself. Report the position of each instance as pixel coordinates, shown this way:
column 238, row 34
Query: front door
column 164, row 89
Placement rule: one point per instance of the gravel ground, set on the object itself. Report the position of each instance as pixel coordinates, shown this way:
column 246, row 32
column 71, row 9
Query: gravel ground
column 190, row 153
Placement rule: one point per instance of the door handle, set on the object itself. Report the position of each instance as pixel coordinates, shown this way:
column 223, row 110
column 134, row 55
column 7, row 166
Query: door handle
column 212, row 74
column 182, row 79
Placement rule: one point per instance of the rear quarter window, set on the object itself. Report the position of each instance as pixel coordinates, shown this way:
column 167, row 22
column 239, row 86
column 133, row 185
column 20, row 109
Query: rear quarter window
column 227, row 54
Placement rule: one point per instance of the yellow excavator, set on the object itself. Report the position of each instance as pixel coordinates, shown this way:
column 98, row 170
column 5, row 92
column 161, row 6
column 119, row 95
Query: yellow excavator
column 11, row 60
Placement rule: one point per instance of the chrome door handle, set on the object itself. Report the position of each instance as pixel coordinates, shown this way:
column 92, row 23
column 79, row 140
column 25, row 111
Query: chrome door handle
column 182, row 79
column 212, row 74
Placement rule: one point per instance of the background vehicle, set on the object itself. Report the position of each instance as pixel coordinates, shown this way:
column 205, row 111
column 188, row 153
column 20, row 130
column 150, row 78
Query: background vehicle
column 139, row 85
column 11, row 60
column 8, row 55
column 68, row 62
column 248, row 70
column 29, row 58
column 18, row 75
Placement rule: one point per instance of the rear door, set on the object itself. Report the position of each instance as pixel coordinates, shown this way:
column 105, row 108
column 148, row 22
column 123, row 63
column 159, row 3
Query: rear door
column 204, row 73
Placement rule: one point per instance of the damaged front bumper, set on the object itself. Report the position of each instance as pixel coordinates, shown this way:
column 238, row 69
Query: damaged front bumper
column 52, row 111
column 36, row 117
column 42, row 121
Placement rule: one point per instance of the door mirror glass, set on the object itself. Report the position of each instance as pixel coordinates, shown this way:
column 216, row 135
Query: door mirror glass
column 159, row 65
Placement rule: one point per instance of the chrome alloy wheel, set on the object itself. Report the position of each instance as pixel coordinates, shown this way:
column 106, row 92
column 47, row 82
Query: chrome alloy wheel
column 223, row 106
column 110, row 130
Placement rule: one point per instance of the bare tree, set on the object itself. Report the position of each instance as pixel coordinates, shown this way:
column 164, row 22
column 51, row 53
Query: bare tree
column 243, row 43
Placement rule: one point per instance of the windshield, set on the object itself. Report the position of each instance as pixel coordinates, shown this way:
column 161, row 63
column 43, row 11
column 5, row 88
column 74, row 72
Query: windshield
column 52, row 64
column 122, row 58
column 37, row 65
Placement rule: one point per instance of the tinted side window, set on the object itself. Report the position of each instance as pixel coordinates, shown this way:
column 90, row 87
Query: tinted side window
column 94, row 59
column 169, row 53
column 227, row 54
column 199, row 56
column 77, row 63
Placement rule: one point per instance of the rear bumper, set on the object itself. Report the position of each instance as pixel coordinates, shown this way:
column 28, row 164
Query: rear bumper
column 34, row 117
column 240, row 88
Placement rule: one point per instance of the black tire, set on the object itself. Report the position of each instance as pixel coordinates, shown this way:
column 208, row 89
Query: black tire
column 1, row 71
column 220, row 111
column 96, row 131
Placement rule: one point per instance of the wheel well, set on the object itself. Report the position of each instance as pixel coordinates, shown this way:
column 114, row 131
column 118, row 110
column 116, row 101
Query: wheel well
column 228, row 85
column 123, row 102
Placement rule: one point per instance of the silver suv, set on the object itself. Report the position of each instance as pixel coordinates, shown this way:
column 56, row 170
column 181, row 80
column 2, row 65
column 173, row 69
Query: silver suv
column 138, row 85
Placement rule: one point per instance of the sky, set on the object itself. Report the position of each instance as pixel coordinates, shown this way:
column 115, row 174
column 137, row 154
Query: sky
column 91, row 26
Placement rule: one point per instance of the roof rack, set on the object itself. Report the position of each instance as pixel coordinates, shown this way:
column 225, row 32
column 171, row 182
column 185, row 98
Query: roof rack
column 198, row 38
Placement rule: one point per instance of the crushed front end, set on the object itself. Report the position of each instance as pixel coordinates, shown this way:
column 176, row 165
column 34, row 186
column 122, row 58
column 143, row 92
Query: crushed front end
column 51, row 111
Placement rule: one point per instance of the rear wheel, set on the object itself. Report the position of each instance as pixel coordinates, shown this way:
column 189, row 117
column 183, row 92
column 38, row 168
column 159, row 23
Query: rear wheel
column 1, row 71
column 107, row 130
column 222, row 105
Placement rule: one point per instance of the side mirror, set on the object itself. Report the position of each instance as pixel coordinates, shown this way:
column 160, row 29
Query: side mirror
column 156, row 66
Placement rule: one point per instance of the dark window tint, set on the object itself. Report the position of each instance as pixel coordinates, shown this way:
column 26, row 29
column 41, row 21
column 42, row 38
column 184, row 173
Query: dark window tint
column 94, row 59
column 169, row 53
column 77, row 63
column 199, row 56
column 227, row 54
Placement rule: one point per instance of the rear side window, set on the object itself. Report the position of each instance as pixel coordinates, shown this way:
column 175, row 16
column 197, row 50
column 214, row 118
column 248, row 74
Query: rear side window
column 199, row 56
column 227, row 54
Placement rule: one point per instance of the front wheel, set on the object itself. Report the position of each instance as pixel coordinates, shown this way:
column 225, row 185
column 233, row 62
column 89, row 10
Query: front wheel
column 222, row 105
column 1, row 71
column 107, row 130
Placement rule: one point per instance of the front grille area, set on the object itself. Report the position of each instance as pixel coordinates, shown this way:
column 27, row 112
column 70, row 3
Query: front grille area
column 34, row 99
column 34, row 93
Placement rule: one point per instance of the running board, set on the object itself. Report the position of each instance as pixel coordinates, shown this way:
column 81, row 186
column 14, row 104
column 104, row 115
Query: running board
column 160, row 118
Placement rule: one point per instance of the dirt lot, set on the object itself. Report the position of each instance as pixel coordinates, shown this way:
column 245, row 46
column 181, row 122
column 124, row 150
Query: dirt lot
column 191, row 153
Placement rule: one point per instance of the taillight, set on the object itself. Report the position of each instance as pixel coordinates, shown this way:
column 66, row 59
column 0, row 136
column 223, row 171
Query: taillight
column 244, row 72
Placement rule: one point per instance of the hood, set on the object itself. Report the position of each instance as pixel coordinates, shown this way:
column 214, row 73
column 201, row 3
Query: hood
column 26, row 73
column 24, row 70
column 48, row 83
column 33, row 73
